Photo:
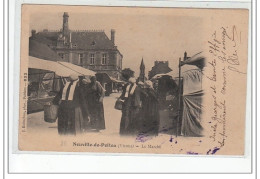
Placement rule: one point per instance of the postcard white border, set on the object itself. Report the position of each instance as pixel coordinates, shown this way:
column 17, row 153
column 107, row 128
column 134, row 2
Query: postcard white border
column 53, row 162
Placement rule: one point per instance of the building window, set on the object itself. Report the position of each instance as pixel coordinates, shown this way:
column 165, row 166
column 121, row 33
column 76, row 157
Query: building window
column 61, row 55
column 81, row 59
column 92, row 58
column 104, row 59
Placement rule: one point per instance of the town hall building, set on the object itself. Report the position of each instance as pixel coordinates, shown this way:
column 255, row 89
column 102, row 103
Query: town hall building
column 91, row 49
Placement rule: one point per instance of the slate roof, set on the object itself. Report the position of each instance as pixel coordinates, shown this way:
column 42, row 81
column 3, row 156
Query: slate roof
column 91, row 40
column 85, row 40
column 42, row 51
column 48, row 38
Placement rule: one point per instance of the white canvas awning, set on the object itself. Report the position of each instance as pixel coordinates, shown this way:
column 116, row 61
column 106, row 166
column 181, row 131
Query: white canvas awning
column 184, row 69
column 158, row 76
column 38, row 63
column 175, row 74
column 63, row 69
column 192, row 77
column 78, row 69
column 115, row 80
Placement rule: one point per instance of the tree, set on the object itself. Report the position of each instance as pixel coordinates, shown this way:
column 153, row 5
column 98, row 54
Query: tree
column 127, row 73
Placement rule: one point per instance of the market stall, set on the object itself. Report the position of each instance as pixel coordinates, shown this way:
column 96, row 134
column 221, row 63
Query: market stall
column 182, row 103
column 47, row 74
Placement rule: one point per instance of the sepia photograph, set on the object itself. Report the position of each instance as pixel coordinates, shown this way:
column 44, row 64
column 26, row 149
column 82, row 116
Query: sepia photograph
column 133, row 80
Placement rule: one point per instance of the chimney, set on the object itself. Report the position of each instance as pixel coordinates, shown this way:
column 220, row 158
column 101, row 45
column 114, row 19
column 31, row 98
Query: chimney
column 33, row 32
column 65, row 24
column 113, row 35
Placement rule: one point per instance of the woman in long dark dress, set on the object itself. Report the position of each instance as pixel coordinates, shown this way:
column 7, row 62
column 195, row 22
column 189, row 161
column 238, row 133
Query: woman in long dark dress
column 150, row 121
column 95, row 97
column 72, row 115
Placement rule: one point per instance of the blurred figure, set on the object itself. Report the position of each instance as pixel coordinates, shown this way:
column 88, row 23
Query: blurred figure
column 141, row 84
column 33, row 88
column 71, row 114
column 130, row 124
column 95, row 97
column 84, row 82
column 165, row 86
column 150, row 108
column 155, row 86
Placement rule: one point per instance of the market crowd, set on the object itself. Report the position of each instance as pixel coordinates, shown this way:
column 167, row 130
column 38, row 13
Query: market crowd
column 140, row 113
column 81, row 107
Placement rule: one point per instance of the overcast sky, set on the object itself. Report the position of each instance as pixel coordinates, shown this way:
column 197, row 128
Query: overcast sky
column 153, row 36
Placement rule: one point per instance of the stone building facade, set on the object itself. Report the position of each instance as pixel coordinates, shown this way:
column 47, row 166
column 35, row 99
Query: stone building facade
column 91, row 49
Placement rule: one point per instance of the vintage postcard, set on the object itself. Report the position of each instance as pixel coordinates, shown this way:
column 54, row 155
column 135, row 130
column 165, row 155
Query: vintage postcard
column 133, row 80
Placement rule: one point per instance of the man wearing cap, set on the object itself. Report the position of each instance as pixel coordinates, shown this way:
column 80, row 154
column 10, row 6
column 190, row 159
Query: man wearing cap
column 72, row 114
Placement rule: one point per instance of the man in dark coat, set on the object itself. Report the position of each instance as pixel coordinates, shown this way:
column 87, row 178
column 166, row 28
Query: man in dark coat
column 130, row 124
column 72, row 113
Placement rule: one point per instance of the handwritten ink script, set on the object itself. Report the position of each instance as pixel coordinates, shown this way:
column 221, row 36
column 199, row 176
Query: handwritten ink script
column 223, row 47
